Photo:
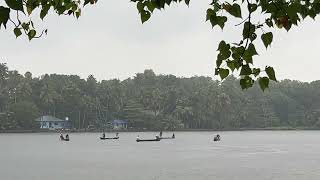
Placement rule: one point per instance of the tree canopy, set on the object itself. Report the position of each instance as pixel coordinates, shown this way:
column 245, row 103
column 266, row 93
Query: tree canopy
column 256, row 18
column 155, row 102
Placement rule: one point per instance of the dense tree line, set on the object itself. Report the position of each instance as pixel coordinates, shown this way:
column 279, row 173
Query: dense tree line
column 155, row 102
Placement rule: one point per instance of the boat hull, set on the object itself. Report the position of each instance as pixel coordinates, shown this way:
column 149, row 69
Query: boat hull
column 147, row 140
column 167, row 138
column 106, row 138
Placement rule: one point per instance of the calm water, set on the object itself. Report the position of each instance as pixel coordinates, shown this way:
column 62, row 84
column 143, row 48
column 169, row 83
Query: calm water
column 284, row 155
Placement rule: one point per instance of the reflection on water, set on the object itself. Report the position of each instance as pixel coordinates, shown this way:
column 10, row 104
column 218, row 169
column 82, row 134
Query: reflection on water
column 240, row 155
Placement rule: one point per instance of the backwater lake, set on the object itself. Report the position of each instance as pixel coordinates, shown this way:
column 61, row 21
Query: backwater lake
column 240, row 155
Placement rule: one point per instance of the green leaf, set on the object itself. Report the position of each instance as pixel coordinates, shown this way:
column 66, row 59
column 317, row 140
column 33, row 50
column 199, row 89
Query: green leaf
column 231, row 65
column 218, row 62
column 44, row 11
column 25, row 26
column 140, row 6
column 15, row 4
column 256, row 71
column 248, row 30
column 145, row 15
column 245, row 70
column 216, row 20
column 267, row 39
column 221, row 20
column 246, row 82
column 235, row 11
column 224, row 49
column 223, row 46
column 89, row 1
column 32, row 33
column 252, row 50
column 223, row 73
column 17, row 32
column 210, row 13
column 253, row 7
column 270, row 72
column 151, row 6
column 264, row 83
column 78, row 13
column 4, row 16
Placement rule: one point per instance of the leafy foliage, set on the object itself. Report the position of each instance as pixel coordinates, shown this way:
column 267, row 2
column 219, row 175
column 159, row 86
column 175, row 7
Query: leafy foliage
column 16, row 9
column 260, row 16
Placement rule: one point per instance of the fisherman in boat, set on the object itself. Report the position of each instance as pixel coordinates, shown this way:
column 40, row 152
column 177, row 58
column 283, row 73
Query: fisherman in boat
column 217, row 138
column 173, row 136
column 160, row 133
column 157, row 137
column 67, row 137
column 138, row 137
column 103, row 135
column 61, row 137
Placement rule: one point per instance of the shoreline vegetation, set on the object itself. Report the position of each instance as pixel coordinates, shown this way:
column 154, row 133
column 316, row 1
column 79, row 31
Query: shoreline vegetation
column 176, row 130
column 149, row 101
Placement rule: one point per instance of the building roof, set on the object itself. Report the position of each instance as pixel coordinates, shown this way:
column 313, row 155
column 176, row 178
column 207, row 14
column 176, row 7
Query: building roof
column 118, row 121
column 49, row 119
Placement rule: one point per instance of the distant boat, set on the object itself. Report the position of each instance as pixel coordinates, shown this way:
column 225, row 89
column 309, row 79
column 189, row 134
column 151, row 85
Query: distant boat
column 142, row 140
column 104, row 138
column 63, row 138
column 216, row 138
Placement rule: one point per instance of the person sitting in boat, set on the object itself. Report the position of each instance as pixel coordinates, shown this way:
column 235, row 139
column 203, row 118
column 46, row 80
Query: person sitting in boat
column 138, row 137
column 103, row 135
column 173, row 136
column 61, row 137
column 160, row 134
column 157, row 137
column 218, row 136
column 117, row 134
column 67, row 137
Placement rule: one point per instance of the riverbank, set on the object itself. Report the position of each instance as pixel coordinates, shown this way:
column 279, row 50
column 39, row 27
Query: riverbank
column 152, row 130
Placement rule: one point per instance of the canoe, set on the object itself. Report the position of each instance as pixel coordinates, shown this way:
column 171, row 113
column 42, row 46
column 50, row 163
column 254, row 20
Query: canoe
column 64, row 139
column 216, row 139
column 142, row 140
column 167, row 137
column 104, row 138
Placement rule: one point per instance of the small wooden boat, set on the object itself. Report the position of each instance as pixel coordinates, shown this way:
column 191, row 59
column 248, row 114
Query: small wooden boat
column 216, row 138
column 64, row 139
column 105, row 138
column 142, row 140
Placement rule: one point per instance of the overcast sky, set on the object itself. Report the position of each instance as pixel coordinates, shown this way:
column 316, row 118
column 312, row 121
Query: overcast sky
column 109, row 41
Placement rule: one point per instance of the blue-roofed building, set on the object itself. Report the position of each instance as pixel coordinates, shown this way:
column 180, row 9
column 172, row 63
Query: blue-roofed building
column 53, row 123
column 119, row 124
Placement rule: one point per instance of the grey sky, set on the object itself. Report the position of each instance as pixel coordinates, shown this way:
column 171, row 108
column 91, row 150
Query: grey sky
column 109, row 41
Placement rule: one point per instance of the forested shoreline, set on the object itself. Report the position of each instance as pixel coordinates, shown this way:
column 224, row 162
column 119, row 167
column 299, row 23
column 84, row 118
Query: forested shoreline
column 155, row 102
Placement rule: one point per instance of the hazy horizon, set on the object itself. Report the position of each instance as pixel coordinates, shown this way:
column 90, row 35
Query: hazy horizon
column 176, row 41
